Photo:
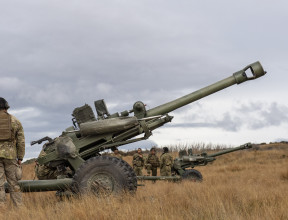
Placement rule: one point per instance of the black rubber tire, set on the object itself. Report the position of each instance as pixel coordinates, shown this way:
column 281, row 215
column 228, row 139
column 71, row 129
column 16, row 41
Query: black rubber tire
column 104, row 175
column 192, row 175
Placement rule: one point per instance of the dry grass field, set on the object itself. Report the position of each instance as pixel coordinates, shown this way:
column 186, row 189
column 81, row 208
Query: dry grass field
column 240, row 185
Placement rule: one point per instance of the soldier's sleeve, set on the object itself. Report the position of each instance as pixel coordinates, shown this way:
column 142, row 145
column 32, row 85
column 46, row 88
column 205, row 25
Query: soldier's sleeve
column 134, row 159
column 161, row 161
column 20, row 141
column 157, row 161
column 146, row 160
column 172, row 161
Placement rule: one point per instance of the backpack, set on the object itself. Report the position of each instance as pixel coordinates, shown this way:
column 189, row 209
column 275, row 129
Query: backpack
column 5, row 127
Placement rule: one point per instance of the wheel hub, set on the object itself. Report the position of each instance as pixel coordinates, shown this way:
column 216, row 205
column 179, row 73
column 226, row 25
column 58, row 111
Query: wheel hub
column 101, row 183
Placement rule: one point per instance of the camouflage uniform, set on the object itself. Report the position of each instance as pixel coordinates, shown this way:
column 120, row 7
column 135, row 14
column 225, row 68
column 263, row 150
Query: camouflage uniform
column 152, row 162
column 44, row 172
column 117, row 155
column 166, row 163
column 138, row 163
column 10, row 150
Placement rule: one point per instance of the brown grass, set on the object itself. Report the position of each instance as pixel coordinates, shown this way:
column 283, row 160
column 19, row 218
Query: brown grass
column 241, row 185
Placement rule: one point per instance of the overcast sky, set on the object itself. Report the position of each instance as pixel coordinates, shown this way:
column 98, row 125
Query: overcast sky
column 58, row 55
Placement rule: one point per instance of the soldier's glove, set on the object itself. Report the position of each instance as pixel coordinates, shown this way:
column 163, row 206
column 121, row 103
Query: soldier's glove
column 18, row 172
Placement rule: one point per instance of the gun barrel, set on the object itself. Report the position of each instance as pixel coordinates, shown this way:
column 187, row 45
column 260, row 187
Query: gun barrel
column 158, row 178
column 242, row 147
column 237, row 78
column 42, row 185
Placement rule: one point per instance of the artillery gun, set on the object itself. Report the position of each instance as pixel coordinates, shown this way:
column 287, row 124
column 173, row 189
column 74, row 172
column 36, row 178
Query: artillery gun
column 79, row 147
column 190, row 161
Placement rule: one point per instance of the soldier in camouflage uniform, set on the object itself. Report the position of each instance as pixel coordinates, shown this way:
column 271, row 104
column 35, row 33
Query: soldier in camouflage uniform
column 166, row 162
column 138, row 162
column 152, row 162
column 12, row 150
column 116, row 153
column 44, row 172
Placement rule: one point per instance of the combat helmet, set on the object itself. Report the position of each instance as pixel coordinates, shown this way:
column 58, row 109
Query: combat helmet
column 114, row 148
column 165, row 149
column 3, row 103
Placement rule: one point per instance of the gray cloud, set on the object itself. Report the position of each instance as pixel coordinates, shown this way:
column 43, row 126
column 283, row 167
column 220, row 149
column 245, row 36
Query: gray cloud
column 272, row 115
column 256, row 115
column 227, row 122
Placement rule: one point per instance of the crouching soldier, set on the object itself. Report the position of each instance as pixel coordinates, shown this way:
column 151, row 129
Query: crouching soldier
column 46, row 172
column 12, row 150
column 116, row 153
column 166, row 162
column 152, row 162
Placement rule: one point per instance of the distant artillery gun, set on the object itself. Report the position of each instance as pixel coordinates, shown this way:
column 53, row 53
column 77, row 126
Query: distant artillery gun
column 79, row 147
column 190, row 161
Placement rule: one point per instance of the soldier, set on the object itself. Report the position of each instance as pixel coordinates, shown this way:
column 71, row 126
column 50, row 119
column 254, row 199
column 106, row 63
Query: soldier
column 12, row 150
column 152, row 162
column 44, row 172
column 138, row 162
column 166, row 162
column 116, row 153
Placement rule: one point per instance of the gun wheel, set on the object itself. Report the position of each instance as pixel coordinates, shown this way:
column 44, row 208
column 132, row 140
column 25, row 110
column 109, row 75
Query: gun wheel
column 103, row 175
column 192, row 175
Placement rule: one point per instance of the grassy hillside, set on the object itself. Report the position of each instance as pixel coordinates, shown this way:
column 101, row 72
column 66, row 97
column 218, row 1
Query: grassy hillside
column 241, row 185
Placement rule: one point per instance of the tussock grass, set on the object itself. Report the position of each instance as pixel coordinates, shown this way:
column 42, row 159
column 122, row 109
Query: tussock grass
column 284, row 175
column 240, row 185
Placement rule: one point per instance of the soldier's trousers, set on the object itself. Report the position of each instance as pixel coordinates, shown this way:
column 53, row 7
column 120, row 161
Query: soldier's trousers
column 165, row 171
column 138, row 171
column 153, row 169
column 45, row 173
column 8, row 169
